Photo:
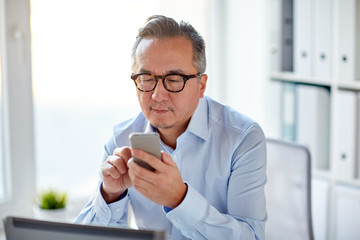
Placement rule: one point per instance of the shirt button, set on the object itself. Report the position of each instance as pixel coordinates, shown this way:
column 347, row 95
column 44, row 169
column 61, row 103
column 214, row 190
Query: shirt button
column 105, row 210
column 117, row 210
column 174, row 220
column 175, row 157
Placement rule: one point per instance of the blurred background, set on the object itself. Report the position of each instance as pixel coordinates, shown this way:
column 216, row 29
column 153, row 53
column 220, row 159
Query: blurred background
column 65, row 82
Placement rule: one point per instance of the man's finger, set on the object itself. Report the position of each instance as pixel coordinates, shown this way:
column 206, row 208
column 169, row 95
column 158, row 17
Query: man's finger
column 118, row 162
column 167, row 159
column 124, row 152
column 110, row 170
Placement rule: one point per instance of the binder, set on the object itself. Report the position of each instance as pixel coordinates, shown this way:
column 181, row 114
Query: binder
column 287, row 46
column 348, row 36
column 357, row 129
column 319, row 206
column 345, row 135
column 313, row 124
column 275, row 43
column 288, row 111
column 303, row 53
column 323, row 35
column 273, row 109
column 347, row 212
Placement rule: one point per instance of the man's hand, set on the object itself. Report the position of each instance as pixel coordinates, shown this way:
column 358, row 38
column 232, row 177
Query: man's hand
column 164, row 186
column 115, row 174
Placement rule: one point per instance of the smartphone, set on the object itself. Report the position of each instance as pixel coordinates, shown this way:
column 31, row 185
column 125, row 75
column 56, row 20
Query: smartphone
column 148, row 142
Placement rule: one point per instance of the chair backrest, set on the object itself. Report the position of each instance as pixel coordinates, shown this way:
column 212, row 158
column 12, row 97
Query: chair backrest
column 288, row 191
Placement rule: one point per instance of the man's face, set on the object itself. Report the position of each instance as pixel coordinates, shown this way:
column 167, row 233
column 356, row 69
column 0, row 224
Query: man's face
column 164, row 109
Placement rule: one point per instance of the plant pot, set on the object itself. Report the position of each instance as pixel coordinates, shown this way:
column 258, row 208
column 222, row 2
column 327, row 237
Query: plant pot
column 59, row 215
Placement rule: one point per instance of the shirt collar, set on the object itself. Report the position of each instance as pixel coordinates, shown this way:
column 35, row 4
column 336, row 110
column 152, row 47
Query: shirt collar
column 149, row 128
column 199, row 122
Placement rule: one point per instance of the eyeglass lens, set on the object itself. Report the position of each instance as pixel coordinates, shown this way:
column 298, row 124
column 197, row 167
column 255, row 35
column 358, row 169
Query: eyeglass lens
column 147, row 82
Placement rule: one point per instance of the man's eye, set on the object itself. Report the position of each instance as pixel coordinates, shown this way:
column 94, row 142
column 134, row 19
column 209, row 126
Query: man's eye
column 145, row 78
column 173, row 79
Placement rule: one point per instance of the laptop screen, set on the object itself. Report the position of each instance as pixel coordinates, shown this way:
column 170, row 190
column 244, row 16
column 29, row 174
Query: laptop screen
column 30, row 229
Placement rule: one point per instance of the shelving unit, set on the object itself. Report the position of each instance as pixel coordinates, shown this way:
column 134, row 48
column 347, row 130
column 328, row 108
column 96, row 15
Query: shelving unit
column 315, row 81
column 350, row 86
column 319, row 34
column 294, row 78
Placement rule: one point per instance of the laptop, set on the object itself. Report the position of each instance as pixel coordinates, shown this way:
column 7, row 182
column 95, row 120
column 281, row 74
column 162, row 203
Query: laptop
column 17, row 228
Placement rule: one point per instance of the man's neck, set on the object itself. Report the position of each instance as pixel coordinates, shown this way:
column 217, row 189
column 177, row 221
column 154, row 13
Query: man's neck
column 170, row 135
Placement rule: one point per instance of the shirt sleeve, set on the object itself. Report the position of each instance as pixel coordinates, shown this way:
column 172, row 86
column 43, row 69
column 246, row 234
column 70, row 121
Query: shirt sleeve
column 246, row 208
column 98, row 212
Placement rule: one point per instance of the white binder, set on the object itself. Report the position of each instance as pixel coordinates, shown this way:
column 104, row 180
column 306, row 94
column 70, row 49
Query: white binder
column 319, row 206
column 274, row 24
column 347, row 210
column 288, row 112
column 348, row 36
column 357, row 143
column 312, row 128
column 323, row 35
column 303, row 22
column 345, row 135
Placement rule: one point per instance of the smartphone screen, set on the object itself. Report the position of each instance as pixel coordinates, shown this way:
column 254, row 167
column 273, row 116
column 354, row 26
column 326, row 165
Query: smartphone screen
column 148, row 142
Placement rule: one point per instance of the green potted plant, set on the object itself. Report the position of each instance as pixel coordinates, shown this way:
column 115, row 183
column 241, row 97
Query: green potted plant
column 51, row 205
column 52, row 199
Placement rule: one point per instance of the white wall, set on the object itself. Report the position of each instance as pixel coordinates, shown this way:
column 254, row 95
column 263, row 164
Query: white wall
column 237, row 63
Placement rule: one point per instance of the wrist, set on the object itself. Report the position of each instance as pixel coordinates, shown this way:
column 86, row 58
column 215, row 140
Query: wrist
column 180, row 199
column 112, row 197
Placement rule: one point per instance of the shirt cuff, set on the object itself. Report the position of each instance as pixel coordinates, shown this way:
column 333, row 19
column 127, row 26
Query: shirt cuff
column 167, row 209
column 116, row 210
column 190, row 211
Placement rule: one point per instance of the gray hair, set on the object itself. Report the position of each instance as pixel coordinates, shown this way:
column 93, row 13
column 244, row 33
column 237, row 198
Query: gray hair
column 161, row 27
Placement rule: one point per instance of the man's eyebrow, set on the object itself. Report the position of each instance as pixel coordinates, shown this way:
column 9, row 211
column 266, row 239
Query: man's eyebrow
column 142, row 70
column 174, row 71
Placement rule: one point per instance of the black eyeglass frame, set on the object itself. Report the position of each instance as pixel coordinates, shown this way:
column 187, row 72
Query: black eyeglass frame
column 156, row 77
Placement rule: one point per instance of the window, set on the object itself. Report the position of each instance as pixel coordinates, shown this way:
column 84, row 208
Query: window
column 2, row 162
column 81, row 65
column 17, row 154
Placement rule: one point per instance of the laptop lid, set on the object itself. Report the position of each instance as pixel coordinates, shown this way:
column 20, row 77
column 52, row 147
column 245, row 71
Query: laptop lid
column 31, row 229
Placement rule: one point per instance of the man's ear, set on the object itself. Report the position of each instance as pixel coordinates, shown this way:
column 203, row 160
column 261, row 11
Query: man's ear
column 203, row 84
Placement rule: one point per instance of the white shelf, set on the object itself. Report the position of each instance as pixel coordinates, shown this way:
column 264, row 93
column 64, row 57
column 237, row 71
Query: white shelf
column 352, row 86
column 350, row 182
column 325, row 174
column 294, row 78
column 315, row 81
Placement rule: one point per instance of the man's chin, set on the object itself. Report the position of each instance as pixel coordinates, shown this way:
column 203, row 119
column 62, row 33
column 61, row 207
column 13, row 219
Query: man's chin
column 162, row 125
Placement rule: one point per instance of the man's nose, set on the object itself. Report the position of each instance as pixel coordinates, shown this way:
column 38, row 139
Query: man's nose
column 160, row 93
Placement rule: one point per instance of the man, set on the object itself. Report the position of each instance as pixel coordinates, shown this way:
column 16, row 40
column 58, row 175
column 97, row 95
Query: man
column 210, row 181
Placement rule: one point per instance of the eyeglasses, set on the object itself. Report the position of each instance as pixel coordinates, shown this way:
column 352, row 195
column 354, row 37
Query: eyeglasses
column 147, row 82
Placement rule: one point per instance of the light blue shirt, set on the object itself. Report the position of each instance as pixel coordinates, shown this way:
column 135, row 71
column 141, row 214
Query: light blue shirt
column 222, row 159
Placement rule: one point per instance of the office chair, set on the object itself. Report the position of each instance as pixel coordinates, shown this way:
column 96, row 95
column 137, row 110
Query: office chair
column 288, row 191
